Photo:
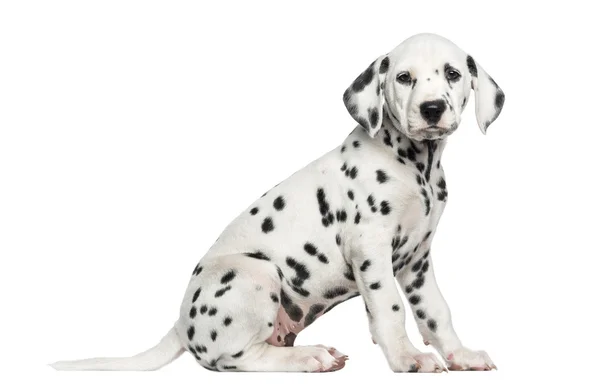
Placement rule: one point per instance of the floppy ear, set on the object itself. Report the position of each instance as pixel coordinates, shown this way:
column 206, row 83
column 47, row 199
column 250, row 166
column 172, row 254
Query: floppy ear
column 489, row 98
column 364, row 98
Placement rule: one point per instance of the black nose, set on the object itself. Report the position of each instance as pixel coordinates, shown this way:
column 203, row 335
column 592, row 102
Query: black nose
column 432, row 110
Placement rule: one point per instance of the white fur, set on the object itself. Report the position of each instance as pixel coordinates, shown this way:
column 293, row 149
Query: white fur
column 349, row 223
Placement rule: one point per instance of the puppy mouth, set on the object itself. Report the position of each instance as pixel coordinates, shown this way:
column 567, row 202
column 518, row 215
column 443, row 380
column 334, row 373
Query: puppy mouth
column 432, row 132
column 433, row 129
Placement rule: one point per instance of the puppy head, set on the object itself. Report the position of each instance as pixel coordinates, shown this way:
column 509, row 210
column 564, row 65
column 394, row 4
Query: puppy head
column 423, row 86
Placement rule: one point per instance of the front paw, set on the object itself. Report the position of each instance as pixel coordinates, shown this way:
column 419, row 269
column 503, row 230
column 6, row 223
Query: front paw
column 421, row 362
column 464, row 359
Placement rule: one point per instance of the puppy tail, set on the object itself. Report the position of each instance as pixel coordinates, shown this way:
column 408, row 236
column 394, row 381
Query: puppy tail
column 167, row 350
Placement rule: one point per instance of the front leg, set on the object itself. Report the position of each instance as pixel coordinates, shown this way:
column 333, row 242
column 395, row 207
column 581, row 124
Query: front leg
column 433, row 316
column 372, row 270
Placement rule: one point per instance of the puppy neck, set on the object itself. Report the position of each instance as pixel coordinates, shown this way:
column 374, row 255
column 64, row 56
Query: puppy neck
column 423, row 155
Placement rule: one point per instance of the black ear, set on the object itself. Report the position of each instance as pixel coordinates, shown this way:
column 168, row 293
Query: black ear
column 364, row 98
column 489, row 98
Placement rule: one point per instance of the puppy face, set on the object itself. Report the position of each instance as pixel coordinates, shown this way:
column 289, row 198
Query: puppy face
column 426, row 90
column 423, row 86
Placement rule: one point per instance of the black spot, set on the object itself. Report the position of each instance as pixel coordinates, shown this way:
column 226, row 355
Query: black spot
column 370, row 200
column 373, row 209
column 349, row 274
column 267, row 225
column 313, row 311
column 300, row 291
column 353, row 173
column 280, row 273
column 201, row 349
column 330, row 217
column 414, row 147
column 376, row 285
column 385, row 64
column 365, row 265
column 269, row 324
column 338, row 239
column 212, row 312
column 301, row 270
column 357, row 218
column 190, row 332
column 222, row 291
column 323, row 259
column 203, row 309
column 418, row 283
column 279, row 203
column 288, row 340
column 441, row 183
column 402, row 152
column 408, row 289
column 227, row 321
column 387, row 139
column 385, row 207
column 432, row 324
column 310, row 249
column 395, row 307
column 363, row 79
column 294, row 312
column 420, row 166
column 499, row 102
column 335, row 292
column 228, row 367
column 343, row 149
column 373, row 117
column 197, row 270
column 258, row 255
column 213, row 363
column 425, row 266
column 421, row 314
column 193, row 352
column 416, row 266
column 341, row 216
column 238, row 355
column 254, row 211
column 344, row 167
column 193, row 312
column 351, row 195
column 472, row 66
column 196, row 294
column 427, row 236
column 228, row 276
column 410, row 153
column 395, row 257
column 213, row 335
column 274, row 297
column 382, row 177
column 414, row 299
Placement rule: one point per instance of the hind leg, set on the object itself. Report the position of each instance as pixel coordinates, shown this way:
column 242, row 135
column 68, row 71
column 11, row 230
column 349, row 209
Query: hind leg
column 263, row 357
column 229, row 306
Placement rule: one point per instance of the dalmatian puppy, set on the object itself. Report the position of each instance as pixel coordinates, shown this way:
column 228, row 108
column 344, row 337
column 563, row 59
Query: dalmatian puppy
column 352, row 223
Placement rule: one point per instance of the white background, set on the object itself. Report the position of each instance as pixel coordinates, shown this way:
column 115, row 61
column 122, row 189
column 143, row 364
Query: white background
column 132, row 132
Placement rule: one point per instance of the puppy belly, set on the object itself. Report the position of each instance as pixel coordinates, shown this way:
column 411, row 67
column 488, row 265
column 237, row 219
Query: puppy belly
column 285, row 330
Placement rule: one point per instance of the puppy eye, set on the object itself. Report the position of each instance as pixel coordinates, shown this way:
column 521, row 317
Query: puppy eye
column 403, row 78
column 452, row 74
